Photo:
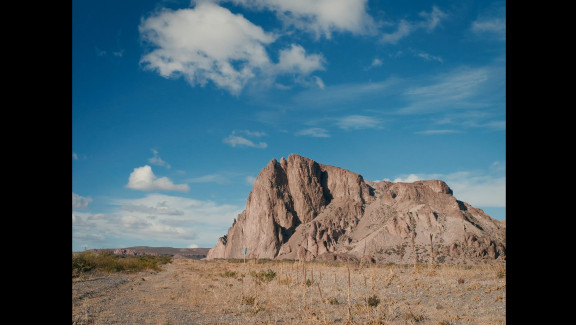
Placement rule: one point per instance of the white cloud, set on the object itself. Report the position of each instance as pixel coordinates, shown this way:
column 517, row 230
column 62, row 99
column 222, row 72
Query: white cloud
column 80, row 202
column 155, row 220
column 460, row 88
column 314, row 132
column 491, row 23
column 404, row 29
column 320, row 17
column 431, row 20
column 212, row 178
column 236, row 140
column 429, row 57
column 74, row 156
column 319, row 83
column 256, row 134
column 296, row 60
column 435, row 132
column 357, row 122
column 408, row 179
column 376, row 63
column 491, row 27
column 208, row 43
column 142, row 178
column 156, row 160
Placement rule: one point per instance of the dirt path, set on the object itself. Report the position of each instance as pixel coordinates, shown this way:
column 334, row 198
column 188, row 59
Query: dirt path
column 197, row 292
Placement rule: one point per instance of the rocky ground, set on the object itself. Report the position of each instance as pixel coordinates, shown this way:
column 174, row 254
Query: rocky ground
column 189, row 291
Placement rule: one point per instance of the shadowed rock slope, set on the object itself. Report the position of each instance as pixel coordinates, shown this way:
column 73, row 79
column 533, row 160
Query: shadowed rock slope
column 301, row 209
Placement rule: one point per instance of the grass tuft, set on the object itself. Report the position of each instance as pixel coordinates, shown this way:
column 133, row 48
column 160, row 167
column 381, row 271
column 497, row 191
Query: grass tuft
column 264, row 276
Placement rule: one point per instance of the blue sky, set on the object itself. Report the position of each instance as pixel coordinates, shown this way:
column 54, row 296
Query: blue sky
column 177, row 105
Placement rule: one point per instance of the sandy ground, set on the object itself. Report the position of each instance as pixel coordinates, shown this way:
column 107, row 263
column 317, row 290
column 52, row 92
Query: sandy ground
column 219, row 292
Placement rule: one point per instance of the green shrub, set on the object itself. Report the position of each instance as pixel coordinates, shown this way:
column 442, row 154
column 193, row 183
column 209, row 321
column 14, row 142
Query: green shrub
column 264, row 276
column 107, row 262
column 228, row 274
column 373, row 301
column 249, row 300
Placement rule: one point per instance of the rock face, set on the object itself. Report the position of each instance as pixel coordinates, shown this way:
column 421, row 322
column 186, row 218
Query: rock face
column 300, row 209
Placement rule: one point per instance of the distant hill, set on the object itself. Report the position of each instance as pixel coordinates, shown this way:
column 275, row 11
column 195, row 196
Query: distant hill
column 301, row 209
column 191, row 253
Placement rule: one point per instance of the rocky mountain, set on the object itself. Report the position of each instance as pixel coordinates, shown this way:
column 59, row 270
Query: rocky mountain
column 301, row 209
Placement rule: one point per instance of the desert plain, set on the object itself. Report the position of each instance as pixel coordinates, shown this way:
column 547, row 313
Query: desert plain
column 189, row 291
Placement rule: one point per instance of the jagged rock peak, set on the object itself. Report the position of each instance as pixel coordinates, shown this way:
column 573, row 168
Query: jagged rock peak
column 301, row 209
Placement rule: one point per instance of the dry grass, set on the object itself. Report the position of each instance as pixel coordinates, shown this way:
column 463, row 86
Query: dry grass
column 275, row 292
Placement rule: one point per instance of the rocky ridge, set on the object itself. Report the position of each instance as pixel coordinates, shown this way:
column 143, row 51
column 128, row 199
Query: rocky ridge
column 301, row 209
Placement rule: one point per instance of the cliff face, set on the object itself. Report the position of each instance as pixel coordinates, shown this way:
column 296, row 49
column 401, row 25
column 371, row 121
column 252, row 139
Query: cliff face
column 300, row 209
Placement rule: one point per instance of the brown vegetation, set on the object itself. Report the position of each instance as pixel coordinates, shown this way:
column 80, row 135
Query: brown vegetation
column 188, row 291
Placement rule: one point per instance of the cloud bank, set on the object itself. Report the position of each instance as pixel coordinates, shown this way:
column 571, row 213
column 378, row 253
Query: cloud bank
column 155, row 219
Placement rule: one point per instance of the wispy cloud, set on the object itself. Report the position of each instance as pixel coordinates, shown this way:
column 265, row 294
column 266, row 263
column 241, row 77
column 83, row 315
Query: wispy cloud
column 357, row 122
column 461, row 88
column 429, row 57
column 249, row 180
column 156, row 160
column 239, row 139
column 143, row 179
column 80, row 202
column 430, row 21
column 491, row 27
column 212, row 178
column 491, row 23
column 314, row 132
column 375, row 63
column 436, row 132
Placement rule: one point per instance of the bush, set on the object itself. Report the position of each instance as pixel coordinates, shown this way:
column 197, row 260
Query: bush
column 373, row 301
column 264, row 276
column 228, row 274
column 107, row 262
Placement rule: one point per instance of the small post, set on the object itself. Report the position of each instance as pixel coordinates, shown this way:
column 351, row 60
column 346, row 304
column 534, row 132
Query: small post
column 431, row 252
column 349, row 302
column 415, row 257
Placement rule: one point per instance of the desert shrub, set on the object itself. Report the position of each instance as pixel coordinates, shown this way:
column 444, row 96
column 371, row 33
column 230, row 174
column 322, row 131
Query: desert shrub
column 373, row 301
column 228, row 274
column 107, row 262
column 332, row 301
column 249, row 300
column 309, row 282
column 264, row 276
column 411, row 317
